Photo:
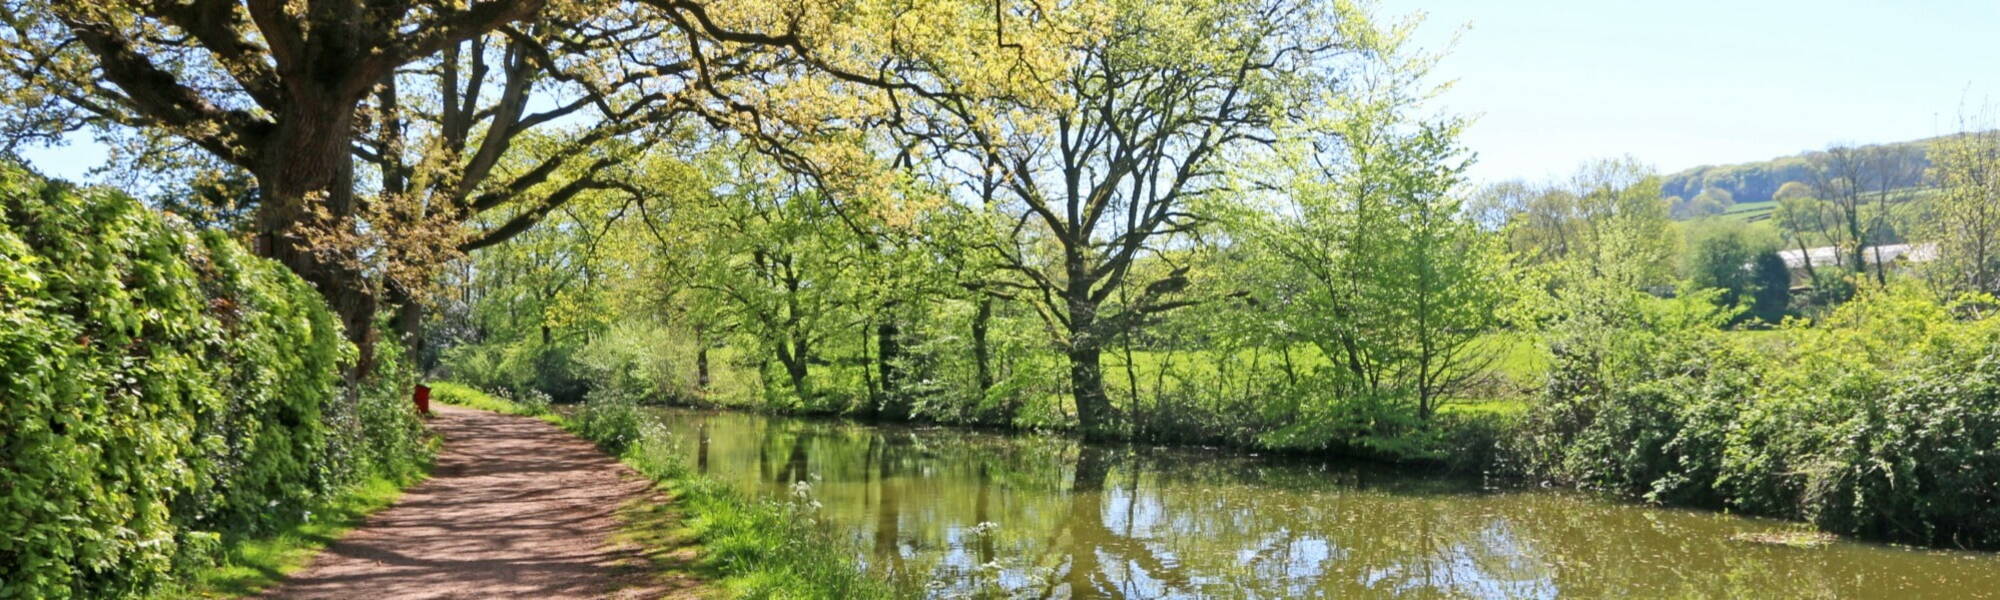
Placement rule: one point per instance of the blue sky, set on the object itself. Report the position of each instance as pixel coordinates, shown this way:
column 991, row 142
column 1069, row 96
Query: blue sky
column 1680, row 84
column 1677, row 84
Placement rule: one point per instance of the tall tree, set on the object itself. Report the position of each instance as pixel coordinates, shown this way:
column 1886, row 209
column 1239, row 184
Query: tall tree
column 1847, row 178
column 1389, row 277
column 1107, row 170
column 430, row 93
column 1965, row 218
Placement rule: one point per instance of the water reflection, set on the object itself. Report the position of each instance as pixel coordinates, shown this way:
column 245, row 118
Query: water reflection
column 980, row 515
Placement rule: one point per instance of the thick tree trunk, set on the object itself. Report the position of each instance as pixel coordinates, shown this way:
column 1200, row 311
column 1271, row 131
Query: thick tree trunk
column 796, row 369
column 1086, row 378
column 306, row 175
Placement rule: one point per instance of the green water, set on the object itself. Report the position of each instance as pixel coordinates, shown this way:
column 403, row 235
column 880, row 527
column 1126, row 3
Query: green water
column 1075, row 521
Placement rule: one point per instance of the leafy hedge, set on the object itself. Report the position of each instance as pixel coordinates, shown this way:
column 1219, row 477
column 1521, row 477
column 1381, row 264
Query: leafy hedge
column 1881, row 421
column 161, row 390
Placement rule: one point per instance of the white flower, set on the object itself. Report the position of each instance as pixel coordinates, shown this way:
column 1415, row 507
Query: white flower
column 985, row 528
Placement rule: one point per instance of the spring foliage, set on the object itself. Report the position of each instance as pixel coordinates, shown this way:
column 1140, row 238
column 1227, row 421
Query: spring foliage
column 1880, row 421
column 163, row 389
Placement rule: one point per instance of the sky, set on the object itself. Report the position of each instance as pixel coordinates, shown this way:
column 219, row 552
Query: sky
column 1552, row 84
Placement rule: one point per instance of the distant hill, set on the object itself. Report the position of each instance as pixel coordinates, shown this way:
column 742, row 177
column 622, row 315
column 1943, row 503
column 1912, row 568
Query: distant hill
column 1755, row 181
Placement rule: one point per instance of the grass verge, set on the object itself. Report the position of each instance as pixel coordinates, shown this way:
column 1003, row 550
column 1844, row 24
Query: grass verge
column 250, row 564
column 750, row 547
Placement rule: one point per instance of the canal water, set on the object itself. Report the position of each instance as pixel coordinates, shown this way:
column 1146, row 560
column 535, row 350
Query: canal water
column 974, row 514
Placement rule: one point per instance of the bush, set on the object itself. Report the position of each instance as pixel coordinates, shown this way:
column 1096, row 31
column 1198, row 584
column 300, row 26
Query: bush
column 163, row 389
column 614, row 424
column 1881, row 421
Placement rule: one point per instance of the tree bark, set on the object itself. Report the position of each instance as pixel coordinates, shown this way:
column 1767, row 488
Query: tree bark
column 307, row 162
column 1086, row 377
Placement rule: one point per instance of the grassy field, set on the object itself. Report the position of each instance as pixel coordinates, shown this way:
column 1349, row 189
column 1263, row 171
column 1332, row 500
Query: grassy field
column 1749, row 210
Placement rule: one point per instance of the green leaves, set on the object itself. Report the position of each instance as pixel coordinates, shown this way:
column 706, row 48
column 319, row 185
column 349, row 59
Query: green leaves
column 160, row 387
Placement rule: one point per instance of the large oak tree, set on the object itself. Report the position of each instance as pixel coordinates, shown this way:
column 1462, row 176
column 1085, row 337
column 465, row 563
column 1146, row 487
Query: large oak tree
column 372, row 128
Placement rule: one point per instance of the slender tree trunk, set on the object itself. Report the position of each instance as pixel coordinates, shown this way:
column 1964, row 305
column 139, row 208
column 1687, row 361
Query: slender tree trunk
column 889, row 351
column 701, row 454
column 701, row 366
column 1806, row 256
column 982, row 355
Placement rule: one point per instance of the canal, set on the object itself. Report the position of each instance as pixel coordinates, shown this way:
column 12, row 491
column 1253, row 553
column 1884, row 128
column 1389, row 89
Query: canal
column 974, row 514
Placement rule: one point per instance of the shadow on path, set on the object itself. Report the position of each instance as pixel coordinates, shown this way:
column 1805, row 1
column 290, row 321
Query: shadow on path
column 515, row 508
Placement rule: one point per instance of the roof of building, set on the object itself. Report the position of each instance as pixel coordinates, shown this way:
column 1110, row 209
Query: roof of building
column 1830, row 255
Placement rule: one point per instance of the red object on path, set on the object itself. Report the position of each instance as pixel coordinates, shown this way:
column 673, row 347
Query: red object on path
column 423, row 399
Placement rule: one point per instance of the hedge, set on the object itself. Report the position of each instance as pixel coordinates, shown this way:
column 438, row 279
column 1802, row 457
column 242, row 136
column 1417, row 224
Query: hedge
column 161, row 390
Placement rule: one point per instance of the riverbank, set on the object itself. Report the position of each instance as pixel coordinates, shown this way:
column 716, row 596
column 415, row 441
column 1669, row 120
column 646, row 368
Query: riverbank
column 977, row 514
column 746, row 546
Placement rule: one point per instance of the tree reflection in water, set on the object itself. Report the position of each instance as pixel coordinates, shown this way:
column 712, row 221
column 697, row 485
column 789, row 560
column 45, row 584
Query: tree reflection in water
column 1104, row 522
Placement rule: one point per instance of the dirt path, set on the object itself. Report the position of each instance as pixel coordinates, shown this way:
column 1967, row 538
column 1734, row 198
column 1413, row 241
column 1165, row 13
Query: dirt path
column 515, row 508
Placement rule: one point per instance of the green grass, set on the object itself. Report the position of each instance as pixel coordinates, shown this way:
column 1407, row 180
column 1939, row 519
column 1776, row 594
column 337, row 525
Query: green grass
column 251, row 564
column 1497, row 407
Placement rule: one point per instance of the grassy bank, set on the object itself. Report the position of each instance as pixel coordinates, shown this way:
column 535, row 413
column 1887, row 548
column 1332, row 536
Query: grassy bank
column 752, row 548
column 250, row 564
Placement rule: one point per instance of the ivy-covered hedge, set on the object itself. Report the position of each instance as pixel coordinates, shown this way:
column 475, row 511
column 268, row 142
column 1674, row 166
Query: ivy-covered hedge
column 160, row 390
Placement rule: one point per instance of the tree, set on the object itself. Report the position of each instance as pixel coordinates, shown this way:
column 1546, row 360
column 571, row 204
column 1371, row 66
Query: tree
column 293, row 93
column 1394, row 280
column 1772, row 285
column 1719, row 199
column 1847, row 178
column 1965, row 218
column 1721, row 258
column 1804, row 220
column 271, row 88
column 1107, row 169
column 1792, row 189
column 1607, row 220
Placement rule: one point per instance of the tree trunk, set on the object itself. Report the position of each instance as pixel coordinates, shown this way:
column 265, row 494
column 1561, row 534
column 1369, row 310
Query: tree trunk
column 982, row 355
column 794, row 361
column 1086, row 378
column 701, row 366
column 307, row 163
column 889, row 351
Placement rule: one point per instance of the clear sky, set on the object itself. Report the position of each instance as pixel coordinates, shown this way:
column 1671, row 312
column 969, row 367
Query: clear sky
column 1679, row 84
column 1554, row 83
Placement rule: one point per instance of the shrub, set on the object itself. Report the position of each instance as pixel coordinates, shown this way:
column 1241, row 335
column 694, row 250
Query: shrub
column 163, row 389
column 614, row 424
column 1881, row 421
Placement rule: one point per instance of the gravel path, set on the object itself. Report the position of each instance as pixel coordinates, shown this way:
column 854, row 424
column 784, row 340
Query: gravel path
column 515, row 508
